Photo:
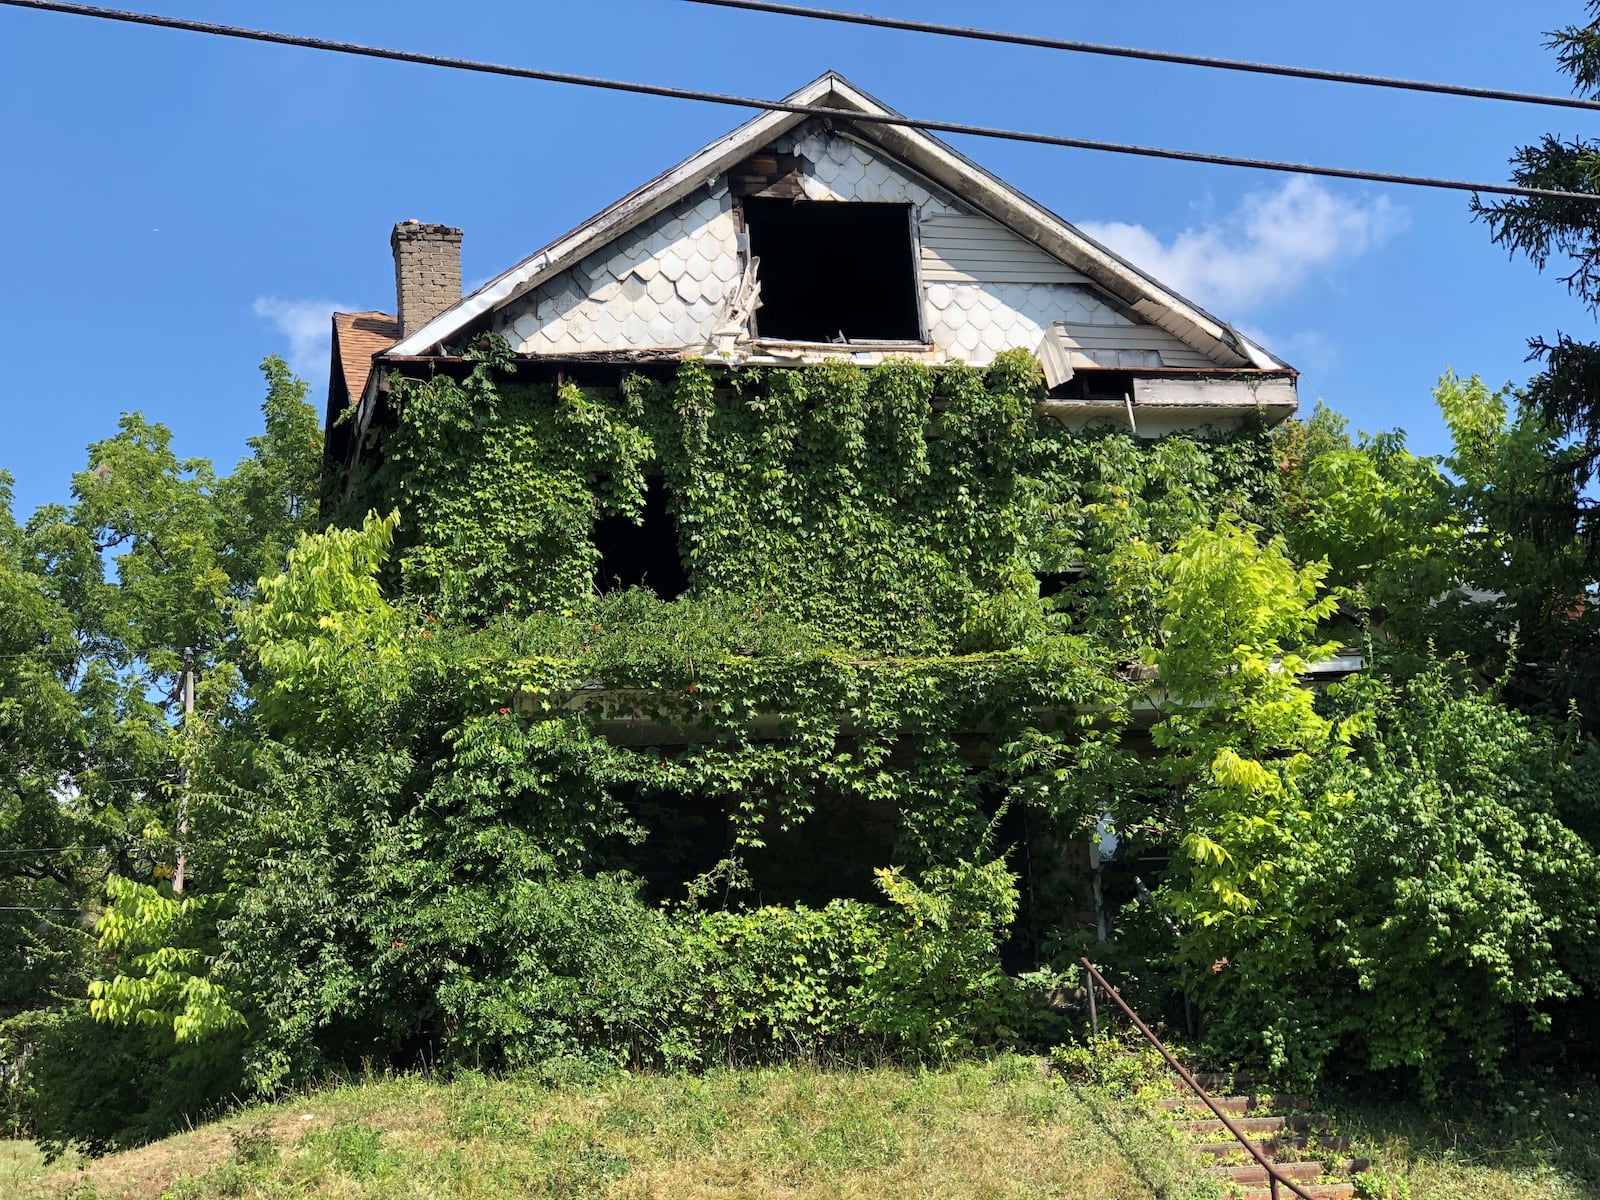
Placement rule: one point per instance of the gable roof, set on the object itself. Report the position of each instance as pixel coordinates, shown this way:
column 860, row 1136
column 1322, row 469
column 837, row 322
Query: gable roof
column 1146, row 296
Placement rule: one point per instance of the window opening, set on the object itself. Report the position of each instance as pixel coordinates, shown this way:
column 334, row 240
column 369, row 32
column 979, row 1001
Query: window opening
column 831, row 855
column 834, row 271
column 685, row 837
column 1089, row 383
column 644, row 553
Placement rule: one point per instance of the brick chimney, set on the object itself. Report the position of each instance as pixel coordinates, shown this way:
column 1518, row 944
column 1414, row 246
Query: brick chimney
column 427, row 272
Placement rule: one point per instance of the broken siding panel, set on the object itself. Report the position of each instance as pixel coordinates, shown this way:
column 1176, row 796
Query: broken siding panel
column 660, row 286
column 1095, row 344
column 1160, row 315
column 1269, row 392
column 837, row 168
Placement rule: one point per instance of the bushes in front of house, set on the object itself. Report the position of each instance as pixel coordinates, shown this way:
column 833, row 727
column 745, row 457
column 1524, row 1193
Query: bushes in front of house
column 557, row 967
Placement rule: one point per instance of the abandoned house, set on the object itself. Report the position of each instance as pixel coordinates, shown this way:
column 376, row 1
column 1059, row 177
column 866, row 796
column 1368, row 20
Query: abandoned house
column 798, row 239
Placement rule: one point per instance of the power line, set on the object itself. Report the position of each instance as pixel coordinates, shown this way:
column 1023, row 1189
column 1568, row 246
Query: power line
column 1165, row 56
column 808, row 110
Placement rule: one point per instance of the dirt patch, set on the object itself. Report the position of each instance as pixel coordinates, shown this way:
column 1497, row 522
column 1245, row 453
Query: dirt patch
column 145, row 1173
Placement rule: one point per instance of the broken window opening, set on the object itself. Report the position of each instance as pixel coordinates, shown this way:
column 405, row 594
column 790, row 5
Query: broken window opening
column 831, row 855
column 643, row 553
column 1088, row 383
column 685, row 836
column 834, row 271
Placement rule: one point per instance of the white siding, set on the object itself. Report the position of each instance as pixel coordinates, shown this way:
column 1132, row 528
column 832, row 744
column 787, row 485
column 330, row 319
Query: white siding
column 662, row 285
column 1093, row 345
column 969, row 248
column 976, row 321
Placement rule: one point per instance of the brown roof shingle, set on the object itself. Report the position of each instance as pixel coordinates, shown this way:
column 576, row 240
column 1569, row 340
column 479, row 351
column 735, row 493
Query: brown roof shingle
column 356, row 338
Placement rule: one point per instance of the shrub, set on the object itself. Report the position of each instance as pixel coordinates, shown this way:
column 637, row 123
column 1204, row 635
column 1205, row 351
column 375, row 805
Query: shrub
column 81, row 1084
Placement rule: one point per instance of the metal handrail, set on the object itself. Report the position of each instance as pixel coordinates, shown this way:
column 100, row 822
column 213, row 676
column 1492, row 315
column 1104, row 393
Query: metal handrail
column 1273, row 1177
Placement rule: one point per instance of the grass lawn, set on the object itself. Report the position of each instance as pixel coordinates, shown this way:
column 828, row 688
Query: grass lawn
column 995, row 1129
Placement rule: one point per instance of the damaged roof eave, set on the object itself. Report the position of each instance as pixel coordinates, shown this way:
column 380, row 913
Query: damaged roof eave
column 920, row 150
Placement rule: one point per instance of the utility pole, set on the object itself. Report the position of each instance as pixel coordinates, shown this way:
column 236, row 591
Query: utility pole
column 183, row 795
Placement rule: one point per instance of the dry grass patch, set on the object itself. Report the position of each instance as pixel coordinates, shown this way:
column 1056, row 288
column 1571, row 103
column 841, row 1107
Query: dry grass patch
column 996, row 1129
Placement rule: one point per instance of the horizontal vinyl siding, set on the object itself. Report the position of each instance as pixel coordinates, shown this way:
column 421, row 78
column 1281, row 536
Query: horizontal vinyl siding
column 1151, row 338
column 965, row 248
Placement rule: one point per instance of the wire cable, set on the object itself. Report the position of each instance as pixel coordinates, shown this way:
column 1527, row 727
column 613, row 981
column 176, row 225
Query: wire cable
column 808, row 110
column 1164, row 56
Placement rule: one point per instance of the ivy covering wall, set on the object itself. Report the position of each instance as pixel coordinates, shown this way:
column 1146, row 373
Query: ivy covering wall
column 867, row 552
column 899, row 509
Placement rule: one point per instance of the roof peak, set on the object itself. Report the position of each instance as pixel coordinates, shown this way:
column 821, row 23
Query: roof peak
column 916, row 148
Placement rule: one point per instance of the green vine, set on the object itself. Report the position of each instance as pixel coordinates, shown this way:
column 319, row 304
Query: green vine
column 899, row 510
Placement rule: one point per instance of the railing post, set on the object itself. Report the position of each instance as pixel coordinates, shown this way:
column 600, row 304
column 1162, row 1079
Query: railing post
column 1094, row 1021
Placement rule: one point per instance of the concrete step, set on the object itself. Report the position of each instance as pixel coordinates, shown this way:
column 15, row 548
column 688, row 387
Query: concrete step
column 1273, row 1147
column 1317, row 1191
column 1300, row 1123
column 1236, row 1105
column 1253, row 1175
column 1226, row 1081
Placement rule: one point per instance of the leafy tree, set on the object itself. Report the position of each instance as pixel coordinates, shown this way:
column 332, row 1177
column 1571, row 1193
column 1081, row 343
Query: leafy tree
column 1437, row 556
column 99, row 599
column 43, row 750
column 1551, row 230
column 1382, row 879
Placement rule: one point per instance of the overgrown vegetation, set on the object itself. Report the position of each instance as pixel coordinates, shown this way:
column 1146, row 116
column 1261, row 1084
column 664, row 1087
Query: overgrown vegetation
column 453, row 798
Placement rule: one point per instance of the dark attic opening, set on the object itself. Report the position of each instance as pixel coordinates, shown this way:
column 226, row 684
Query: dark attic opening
column 642, row 552
column 1094, row 383
column 834, row 271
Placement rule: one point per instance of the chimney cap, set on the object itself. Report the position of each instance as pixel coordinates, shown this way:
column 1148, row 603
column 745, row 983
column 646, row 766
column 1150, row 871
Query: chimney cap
column 411, row 227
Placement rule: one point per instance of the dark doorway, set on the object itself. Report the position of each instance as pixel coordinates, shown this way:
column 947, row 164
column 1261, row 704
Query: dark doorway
column 644, row 552
column 833, row 271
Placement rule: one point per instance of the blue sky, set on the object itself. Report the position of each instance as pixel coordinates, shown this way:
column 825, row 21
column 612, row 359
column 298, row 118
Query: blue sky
column 176, row 207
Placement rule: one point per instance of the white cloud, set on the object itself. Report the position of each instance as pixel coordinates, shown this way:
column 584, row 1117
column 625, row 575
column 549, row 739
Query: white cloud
column 1263, row 251
column 307, row 324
